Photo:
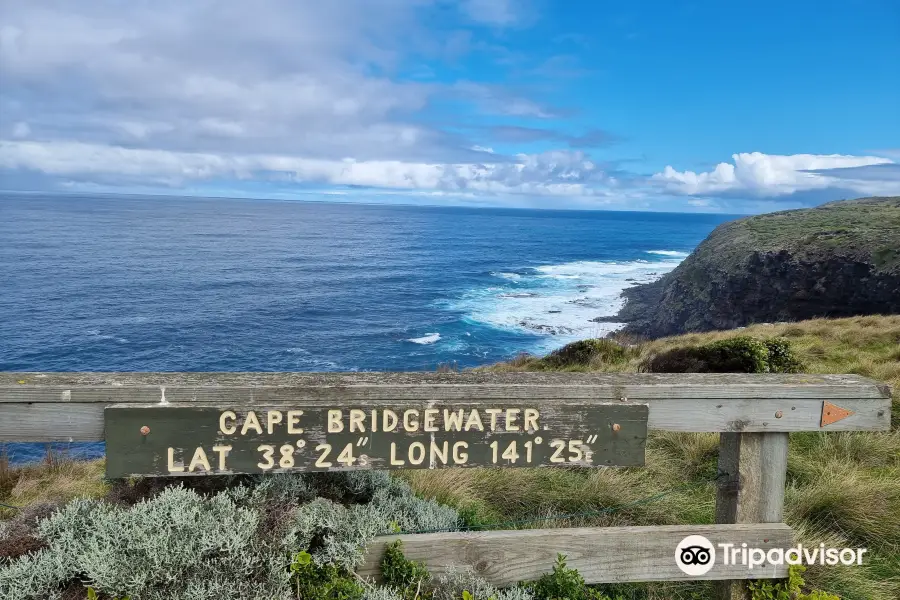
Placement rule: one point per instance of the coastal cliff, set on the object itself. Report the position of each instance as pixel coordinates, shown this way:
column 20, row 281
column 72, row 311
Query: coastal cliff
column 836, row 260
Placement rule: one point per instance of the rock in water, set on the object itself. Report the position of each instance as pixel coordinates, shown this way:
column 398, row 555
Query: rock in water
column 837, row 260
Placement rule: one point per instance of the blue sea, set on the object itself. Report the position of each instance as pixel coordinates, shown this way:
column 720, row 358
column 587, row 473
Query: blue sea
column 129, row 283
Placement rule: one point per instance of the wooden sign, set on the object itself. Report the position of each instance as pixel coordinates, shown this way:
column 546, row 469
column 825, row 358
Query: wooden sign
column 182, row 440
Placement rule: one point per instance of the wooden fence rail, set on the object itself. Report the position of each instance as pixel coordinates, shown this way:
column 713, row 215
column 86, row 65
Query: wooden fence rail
column 209, row 423
column 601, row 554
column 69, row 406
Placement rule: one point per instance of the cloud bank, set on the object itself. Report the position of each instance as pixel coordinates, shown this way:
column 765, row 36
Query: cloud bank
column 765, row 175
column 552, row 173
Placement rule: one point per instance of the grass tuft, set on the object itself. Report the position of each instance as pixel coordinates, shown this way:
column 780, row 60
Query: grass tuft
column 57, row 482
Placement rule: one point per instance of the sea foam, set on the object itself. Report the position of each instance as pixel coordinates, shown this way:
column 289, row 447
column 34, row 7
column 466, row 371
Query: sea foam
column 428, row 338
column 557, row 303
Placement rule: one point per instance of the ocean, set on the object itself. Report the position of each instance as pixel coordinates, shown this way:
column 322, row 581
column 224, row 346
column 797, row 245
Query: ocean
column 129, row 283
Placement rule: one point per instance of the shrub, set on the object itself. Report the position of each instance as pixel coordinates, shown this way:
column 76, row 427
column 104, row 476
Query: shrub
column 781, row 356
column 737, row 355
column 409, row 578
column 583, row 352
column 381, row 593
column 787, row 589
column 465, row 584
column 178, row 545
column 677, row 360
column 397, row 504
column 336, row 534
column 322, row 582
column 740, row 354
column 563, row 583
column 182, row 544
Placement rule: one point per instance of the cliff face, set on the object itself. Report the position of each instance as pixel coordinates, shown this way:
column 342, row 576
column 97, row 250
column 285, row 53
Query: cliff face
column 840, row 259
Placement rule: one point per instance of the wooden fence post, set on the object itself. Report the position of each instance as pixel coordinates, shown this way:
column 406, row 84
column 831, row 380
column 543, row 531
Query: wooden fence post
column 754, row 491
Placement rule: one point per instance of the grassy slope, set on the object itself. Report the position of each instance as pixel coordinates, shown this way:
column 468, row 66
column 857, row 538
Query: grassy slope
column 863, row 229
column 843, row 488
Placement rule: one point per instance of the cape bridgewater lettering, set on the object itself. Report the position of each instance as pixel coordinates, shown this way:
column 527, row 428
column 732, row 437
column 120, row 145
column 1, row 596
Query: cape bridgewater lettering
column 410, row 420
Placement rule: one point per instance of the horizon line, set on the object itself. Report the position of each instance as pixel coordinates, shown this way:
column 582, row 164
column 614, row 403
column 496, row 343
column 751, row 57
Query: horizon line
column 367, row 202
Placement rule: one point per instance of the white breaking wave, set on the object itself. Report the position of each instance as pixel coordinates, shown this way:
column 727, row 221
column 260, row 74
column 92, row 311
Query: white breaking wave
column 510, row 276
column 559, row 302
column 669, row 253
column 428, row 338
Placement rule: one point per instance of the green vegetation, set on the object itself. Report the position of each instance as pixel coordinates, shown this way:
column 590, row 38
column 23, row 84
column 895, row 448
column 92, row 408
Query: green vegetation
column 788, row 589
column 291, row 536
column 564, row 583
column 322, row 582
column 741, row 354
column 867, row 224
column 864, row 229
column 405, row 576
column 584, row 352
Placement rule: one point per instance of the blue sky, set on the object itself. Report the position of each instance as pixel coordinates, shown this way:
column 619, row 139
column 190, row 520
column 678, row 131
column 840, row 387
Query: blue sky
column 644, row 105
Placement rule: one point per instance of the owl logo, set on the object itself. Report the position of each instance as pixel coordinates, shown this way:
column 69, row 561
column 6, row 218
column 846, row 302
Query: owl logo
column 695, row 555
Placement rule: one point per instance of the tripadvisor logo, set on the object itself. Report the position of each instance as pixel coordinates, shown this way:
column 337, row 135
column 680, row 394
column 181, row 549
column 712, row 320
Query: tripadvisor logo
column 695, row 555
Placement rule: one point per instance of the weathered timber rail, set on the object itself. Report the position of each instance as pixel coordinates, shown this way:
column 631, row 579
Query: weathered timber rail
column 69, row 406
column 363, row 420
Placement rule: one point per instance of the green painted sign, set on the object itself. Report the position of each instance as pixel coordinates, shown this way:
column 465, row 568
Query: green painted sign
column 182, row 439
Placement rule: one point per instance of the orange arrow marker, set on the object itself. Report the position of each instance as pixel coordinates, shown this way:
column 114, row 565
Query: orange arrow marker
column 832, row 413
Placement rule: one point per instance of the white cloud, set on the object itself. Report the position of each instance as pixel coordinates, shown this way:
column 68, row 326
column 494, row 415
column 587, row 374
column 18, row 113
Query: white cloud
column 316, row 79
column 768, row 175
column 559, row 173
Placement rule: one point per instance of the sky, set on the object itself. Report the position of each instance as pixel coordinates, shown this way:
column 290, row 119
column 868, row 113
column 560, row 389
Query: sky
column 582, row 104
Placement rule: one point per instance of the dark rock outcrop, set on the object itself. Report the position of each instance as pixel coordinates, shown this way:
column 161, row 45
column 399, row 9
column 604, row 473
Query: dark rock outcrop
column 837, row 260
